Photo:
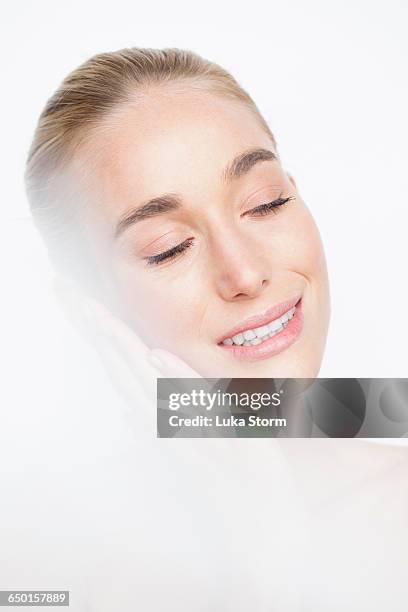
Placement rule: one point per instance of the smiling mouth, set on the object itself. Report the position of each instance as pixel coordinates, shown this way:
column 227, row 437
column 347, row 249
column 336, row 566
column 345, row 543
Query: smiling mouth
column 265, row 335
column 257, row 335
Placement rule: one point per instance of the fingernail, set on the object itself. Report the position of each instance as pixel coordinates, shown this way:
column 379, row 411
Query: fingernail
column 155, row 360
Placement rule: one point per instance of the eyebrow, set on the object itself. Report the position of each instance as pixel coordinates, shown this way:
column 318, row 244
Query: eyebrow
column 157, row 206
column 240, row 165
column 243, row 163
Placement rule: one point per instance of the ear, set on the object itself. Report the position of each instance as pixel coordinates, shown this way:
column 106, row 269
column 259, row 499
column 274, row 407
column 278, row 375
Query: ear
column 292, row 180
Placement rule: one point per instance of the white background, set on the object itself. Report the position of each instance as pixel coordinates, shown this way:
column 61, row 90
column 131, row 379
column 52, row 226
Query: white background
column 330, row 77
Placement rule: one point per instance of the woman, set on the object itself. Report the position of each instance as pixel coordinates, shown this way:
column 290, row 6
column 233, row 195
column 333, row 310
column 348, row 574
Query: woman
column 157, row 184
column 156, row 181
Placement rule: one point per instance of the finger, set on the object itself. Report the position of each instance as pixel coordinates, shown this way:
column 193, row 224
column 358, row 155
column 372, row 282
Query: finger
column 86, row 316
column 127, row 341
column 101, row 324
column 97, row 322
column 97, row 316
column 171, row 366
column 140, row 406
column 66, row 294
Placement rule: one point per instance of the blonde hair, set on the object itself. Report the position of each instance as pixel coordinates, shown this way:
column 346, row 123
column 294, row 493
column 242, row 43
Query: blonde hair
column 88, row 95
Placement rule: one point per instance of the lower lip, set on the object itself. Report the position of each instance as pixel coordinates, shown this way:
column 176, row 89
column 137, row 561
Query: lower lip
column 278, row 343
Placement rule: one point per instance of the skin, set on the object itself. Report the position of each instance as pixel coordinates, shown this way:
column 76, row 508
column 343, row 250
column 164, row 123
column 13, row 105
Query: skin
column 180, row 141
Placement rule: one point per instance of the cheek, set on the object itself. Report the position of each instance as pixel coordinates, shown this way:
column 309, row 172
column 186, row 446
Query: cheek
column 306, row 257
column 297, row 256
column 301, row 246
column 160, row 307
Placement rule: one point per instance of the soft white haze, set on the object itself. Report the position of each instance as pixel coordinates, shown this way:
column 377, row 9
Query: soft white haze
column 90, row 503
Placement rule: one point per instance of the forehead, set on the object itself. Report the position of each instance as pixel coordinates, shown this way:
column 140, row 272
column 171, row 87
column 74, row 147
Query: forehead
column 171, row 142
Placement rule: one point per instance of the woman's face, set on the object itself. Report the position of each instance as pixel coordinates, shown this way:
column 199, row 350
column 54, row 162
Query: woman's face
column 209, row 246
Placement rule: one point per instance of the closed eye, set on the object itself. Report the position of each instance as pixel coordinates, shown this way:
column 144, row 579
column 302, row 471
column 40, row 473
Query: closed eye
column 258, row 211
column 172, row 253
column 265, row 209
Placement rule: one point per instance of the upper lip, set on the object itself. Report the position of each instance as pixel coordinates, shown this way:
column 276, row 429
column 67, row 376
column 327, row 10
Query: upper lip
column 260, row 319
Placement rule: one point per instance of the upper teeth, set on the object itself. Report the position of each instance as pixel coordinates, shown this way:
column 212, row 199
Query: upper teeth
column 251, row 337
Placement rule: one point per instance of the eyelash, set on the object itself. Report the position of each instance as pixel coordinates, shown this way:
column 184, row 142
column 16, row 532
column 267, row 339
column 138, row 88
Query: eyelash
column 155, row 260
column 263, row 209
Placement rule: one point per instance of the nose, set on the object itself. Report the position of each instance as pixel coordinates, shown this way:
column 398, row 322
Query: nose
column 240, row 269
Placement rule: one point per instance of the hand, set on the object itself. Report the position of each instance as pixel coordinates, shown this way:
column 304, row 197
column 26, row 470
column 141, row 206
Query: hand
column 132, row 367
